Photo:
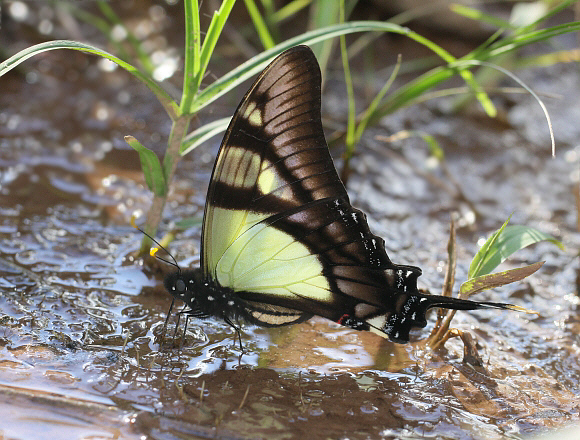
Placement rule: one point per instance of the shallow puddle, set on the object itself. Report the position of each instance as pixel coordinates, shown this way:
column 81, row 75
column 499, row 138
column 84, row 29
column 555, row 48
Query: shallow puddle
column 80, row 320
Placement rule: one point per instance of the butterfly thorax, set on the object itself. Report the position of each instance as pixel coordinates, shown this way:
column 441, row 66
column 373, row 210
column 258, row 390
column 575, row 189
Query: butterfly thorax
column 203, row 298
column 206, row 298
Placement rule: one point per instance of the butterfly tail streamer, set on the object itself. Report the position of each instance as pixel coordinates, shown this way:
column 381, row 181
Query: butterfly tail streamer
column 412, row 312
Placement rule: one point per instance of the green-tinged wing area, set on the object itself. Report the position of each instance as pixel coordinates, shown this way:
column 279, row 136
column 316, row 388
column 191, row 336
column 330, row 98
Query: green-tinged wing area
column 257, row 257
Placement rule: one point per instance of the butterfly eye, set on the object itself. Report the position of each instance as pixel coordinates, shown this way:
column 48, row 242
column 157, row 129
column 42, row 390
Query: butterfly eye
column 180, row 287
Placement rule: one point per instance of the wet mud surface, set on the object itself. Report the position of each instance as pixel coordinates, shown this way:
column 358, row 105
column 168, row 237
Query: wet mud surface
column 80, row 319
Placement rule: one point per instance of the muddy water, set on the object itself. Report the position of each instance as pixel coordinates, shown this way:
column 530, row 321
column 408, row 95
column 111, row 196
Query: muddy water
column 80, row 320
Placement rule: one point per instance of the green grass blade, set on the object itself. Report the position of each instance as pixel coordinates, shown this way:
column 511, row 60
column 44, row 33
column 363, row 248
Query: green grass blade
column 260, row 24
column 289, row 9
column 515, row 42
column 351, row 122
column 257, row 63
column 477, row 15
column 467, row 76
column 202, row 134
column 372, row 108
column 151, row 167
column 7, row 65
column 415, row 89
column 192, row 62
column 530, row 91
column 102, row 25
column 509, row 240
column 323, row 13
column 557, row 9
column 214, row 30
column 143, row 57
column 411, row 91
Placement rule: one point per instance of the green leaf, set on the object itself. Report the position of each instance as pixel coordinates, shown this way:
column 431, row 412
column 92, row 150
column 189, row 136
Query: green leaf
column 202, row 134
column 164, row 98
column 151, row 167
column 483, row 252
column 502, row 244
column 490, row 281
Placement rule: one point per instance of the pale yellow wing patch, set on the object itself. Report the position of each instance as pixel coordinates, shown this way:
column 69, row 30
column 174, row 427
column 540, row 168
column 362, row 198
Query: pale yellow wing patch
column 256, row 257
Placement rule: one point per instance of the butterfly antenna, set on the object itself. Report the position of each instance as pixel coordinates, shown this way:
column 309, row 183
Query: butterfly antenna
column 153, row 253
column 154, row 250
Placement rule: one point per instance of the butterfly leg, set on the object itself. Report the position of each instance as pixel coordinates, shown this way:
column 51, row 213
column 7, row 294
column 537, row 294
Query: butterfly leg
column 181, row 312
column 231, row 324
column 187, row 316
column 164, row 331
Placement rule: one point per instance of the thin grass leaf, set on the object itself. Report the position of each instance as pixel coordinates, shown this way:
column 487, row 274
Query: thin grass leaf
column 323, row 13
column 269, row 7
column 257, row 63
column 260, row 25
column 214, row 30
column 351, row 121
column 517, row 41
column 477, row 15
column 372, row 108
column 557, row 9
column 151, row 167
column 467, row 76
column 202, row 134
column 490, row 281
column 192, row 62
column 163, row 97
column 143, row 57
column 530, row 91
column 102, row 25
column 509, row 240
column 288, row 10
column 411, row 92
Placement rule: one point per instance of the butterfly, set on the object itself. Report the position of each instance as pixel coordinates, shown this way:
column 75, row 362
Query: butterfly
column 280, row 240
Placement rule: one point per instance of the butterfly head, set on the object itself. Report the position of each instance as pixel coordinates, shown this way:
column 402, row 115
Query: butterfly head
column 177, row 285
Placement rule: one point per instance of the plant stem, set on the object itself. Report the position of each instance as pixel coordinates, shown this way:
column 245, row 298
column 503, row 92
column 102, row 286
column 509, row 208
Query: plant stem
column 178, row 132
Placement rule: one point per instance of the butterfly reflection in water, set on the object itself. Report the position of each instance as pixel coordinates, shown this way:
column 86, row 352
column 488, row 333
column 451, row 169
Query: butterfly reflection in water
column 280, row 240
